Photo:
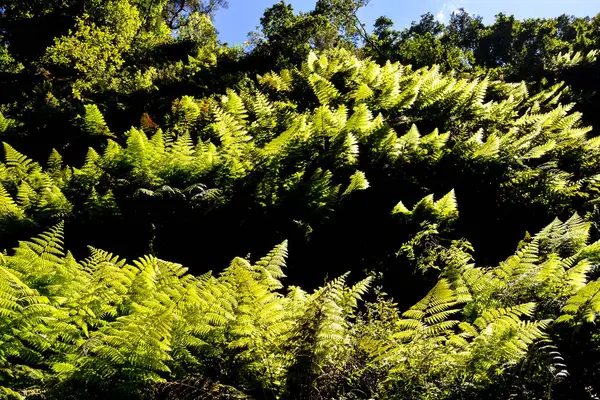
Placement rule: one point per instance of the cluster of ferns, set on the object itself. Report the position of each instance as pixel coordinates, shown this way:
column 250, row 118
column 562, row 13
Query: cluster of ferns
column 105, row 325
column 276, row 140
column 310, row 139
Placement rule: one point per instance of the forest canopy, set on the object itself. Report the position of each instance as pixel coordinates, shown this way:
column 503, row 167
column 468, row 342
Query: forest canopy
column 331, row 211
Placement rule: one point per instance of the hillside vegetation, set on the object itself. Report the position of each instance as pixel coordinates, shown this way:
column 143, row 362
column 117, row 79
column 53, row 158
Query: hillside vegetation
column 438, row 188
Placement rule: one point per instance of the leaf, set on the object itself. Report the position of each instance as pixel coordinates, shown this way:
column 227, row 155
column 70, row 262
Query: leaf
column 358, row 181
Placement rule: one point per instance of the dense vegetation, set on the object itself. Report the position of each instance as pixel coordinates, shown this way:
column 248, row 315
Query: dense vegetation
column 402, row 167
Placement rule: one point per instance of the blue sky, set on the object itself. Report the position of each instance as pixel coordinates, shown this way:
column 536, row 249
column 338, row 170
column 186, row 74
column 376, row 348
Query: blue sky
column 244, row 15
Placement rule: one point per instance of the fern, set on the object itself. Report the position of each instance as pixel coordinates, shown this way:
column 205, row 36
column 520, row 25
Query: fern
column 104, row 321
column 444, row 209
column 358, row 181
column 323, row 89
column 93, row 121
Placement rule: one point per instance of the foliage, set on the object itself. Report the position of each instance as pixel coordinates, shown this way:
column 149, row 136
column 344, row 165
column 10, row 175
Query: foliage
column 268, row 149
column 402, row 156
column 541, row 51
column 112, row 326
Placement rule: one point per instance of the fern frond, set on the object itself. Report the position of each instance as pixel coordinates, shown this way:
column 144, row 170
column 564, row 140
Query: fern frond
column 358, row 181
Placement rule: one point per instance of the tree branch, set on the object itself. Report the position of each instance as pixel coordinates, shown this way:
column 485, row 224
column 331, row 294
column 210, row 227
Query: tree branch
column 365, row 35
